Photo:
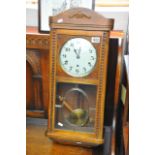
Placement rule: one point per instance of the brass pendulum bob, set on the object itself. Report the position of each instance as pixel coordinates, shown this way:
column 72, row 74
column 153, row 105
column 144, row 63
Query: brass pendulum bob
column 78, row 117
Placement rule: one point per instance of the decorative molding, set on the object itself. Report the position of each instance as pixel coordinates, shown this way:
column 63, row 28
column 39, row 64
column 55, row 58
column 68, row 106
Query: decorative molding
column 34, row 41
column 46, row 37
column 100, row 88
column 81, row 19
column 33, row 58
column 80, row 15
column 52, row 79
column 37, row 76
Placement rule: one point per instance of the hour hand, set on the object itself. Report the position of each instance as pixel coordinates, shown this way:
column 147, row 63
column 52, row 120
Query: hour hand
column 77, row 54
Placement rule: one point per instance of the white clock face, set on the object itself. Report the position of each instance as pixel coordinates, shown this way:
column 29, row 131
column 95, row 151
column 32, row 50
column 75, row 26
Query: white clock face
column 78, row 57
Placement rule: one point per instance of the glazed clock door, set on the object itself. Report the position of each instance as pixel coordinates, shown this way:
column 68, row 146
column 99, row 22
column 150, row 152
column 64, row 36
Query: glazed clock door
column 75, row 107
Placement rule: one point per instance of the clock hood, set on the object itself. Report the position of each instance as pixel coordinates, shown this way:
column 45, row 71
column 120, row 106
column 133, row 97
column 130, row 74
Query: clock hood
column 82, row 19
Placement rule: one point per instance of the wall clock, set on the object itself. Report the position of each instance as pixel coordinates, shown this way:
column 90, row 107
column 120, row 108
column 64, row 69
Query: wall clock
column 78, row 68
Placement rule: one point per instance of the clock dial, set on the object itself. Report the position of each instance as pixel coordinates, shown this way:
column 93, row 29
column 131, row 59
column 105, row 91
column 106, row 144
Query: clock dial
column 78, row 57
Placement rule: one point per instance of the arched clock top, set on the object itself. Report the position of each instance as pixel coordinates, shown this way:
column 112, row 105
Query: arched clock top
column 82, row 19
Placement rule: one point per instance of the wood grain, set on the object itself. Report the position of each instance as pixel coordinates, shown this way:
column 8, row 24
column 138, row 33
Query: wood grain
column 39, row 144
column 35, row 113
column 79, row 23
column 34, row 80
column 29, row 86
column 63, row 36
column 36, row 141
column 45, row 147
column 81, row 19
column 44, row 61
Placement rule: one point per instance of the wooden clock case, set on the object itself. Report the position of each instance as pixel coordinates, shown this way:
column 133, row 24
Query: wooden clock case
column 83, row 23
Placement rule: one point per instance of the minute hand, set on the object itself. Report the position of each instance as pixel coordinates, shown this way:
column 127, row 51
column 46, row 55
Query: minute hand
column 79, row 51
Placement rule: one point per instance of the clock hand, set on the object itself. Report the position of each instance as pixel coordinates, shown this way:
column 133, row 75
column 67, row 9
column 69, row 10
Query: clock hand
column 79, row 51
column 77, row 54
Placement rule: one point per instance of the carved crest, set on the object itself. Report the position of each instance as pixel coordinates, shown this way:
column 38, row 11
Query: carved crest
column 81, row 19
column 80, row 15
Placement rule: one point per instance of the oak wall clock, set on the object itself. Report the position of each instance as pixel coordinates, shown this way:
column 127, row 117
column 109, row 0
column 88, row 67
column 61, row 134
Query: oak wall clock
column 78, row 69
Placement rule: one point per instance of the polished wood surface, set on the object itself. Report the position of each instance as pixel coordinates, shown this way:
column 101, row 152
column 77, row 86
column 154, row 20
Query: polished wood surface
column 79, row 23
column 65, row 35
column 37, row 58
column 29, row 86
column 126, row 138
column 121, row 130
column 60, row 149
column 33, row 30
column 33, row 37
column 37, row 41
column 118, row 81
column 44, row 61
column 81, row 19
column 44, row 69
column 35, row 113
column 45, row 79
column 37, row 143
column 34, row 97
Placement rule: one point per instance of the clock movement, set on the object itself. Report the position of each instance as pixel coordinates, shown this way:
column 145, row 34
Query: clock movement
column 79, row 40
